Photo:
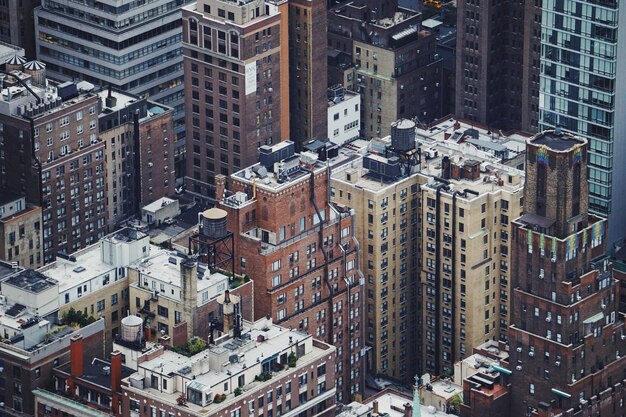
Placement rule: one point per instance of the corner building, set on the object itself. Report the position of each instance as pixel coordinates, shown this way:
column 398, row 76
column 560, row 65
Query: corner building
column 301, row 253
column 232, row 61
column 50, row 151
column 566, row 337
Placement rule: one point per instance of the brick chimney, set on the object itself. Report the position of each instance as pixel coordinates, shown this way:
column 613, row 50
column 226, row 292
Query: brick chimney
column 76, row 355
column 116, row 381
column 408, row 410
column 375, row 405
column 116, row 370
column 220, row 186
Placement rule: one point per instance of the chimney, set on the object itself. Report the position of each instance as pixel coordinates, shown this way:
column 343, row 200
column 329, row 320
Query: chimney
column 116, row 371
column 408, row 410
column 457, row 125
column 375, row 404
column 110, row 101
column 76, row 355
column 220, row 186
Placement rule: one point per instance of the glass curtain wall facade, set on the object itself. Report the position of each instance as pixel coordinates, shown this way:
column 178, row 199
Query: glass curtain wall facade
column 581, row 91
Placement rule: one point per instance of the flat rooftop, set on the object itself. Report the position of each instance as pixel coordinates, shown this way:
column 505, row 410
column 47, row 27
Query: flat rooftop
column 458, row 131
column 156, row 205
column 164, row 266
column 557, row 141
column 30, row 280
column 250, row 351
column 93, row 372
column 87, row 266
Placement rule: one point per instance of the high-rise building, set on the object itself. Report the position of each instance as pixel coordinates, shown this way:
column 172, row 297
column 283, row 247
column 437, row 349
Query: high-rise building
column 386, row 212
column 566, row 337
column 581, row 73
column 308, row 78
column 233, row 88
column 300, row 251
column 135, row 47
column 139, row 139
column 393, row 64
column 50, row 151
column 497, row 63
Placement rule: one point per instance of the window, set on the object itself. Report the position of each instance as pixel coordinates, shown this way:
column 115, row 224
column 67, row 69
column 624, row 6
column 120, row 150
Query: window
column 113, row 299
column 100, row 305
column 162, row 311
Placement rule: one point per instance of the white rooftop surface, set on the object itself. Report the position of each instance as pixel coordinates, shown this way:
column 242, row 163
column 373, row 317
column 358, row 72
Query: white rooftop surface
column 515, row 142
column 277, row 339
column 123, row 100
column 392, row 403
column 354, row 409
column 159, row 268
column 62, row 270
column 446, row 389
column 156, row 205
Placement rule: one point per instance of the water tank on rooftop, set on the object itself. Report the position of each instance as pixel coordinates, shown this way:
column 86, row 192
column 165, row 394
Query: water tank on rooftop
column 37, row 70
column 15, row 63
column 132, row 329
column 213, row 223
column 403, row 135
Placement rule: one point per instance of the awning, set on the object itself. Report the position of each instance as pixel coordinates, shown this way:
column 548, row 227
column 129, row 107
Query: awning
column 595, row 318
column 501, row 369
column 561, row 393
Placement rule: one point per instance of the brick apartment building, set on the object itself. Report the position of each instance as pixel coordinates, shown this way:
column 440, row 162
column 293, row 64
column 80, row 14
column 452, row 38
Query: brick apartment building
column 51, row 153
column 84, row 386
column 566, row 337
column 233, row 99
column 139, row 139
column 307, row 70
column 300, row 251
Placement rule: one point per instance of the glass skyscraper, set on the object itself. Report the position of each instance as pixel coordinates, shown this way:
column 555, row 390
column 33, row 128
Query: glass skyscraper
column 583, row 90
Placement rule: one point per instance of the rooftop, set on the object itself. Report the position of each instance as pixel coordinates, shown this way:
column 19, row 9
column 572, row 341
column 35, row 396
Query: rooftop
column 94, row 372
column 156, row 205
column 557, row 140
column 164, row 266
column 261, row 343
column 88, row 264
column 279, row 167
column 459, row 131
column 489, row 174
column 31, row 281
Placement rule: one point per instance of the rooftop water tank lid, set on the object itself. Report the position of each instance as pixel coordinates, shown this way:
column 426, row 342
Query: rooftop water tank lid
column 214, row 213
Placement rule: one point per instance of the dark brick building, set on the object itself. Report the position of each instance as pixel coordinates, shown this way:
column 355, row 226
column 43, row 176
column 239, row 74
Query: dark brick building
column 307, row 70
column 497, row 63
column 300, row 251
column 232, row 61
column 50, row 152
column 566, row 337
